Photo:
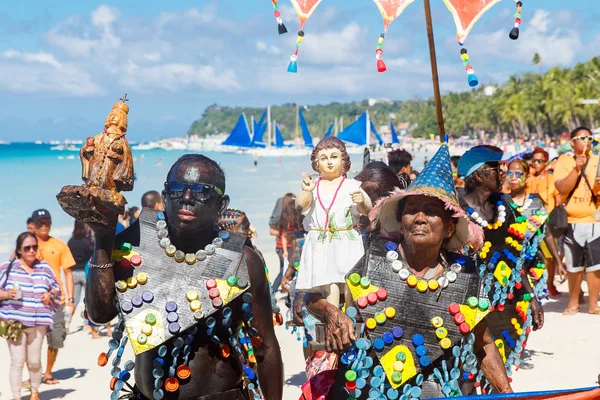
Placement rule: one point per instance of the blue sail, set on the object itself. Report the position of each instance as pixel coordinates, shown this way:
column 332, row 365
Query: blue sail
column 278, row 138
column 328, row 133
column 356, row 132
column 259, row 131
column 394, row 134
column 305, row 132
column 374, row 132
column 239, row 136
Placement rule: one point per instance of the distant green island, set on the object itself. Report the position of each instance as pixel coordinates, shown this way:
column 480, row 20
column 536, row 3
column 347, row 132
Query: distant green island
column 545, row 103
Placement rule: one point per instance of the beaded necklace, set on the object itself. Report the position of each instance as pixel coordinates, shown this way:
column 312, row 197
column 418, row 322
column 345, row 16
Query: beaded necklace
column 179, row 256
column 485, row 224
column 326, row 226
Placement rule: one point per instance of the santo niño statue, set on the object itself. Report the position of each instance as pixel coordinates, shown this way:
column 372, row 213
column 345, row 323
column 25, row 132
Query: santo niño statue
column 107, row 169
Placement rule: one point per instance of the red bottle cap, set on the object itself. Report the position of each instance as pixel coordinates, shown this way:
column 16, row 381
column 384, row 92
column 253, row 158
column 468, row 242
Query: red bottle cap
column 362, row 302
column 459, row 318
column 372, row 298
column 382, row 294
column 136, row 260
column 464, row 328
column 453, row 309
column 211, row 283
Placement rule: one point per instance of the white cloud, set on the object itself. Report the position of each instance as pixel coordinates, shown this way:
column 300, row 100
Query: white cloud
column 548, row 34
column 22, row 72
column 332, row 47
column 264, row 47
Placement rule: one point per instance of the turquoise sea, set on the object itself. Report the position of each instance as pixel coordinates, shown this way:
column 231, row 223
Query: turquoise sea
column 31, row 175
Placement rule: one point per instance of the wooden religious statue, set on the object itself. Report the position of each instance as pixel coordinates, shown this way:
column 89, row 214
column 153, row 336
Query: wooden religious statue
column 107, row 169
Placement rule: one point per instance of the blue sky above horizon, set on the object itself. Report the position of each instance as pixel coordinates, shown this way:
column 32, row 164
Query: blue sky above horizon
column 63, row 64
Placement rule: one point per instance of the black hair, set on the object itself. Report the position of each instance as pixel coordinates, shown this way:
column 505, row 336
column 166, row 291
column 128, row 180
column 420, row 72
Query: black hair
column 527, row 156
column 454, row 161
column 151, row 199
column 79, row 230
column 29, row 220
column 20, row 239
column 210, row 167
column 399, row 159
column 576, row 131
column 378, row 181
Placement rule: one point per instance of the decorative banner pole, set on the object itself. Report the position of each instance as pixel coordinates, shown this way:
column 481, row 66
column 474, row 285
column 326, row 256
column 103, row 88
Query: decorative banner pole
column 434, row 73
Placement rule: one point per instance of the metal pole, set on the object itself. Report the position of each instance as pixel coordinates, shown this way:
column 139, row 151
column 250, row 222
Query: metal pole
column 434, row 72
column 269, row 126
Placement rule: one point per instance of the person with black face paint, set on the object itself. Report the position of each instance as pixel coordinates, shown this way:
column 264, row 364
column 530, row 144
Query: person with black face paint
column 194, row 198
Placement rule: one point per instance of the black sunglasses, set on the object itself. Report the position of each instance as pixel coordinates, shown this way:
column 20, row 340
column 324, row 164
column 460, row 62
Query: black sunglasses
column 200, row 191
column 27, row 249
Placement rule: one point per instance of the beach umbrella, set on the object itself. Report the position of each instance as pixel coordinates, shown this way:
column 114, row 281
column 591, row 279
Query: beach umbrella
column 390, row 10
column 304, row 9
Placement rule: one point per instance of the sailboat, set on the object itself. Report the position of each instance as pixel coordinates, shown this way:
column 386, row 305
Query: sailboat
column 360, row 133
column 394, row 134
column 240, row 135
column 308, row 141
column 259, row 129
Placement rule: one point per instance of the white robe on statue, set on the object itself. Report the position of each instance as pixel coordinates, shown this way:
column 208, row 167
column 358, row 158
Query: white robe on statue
column 326, row 259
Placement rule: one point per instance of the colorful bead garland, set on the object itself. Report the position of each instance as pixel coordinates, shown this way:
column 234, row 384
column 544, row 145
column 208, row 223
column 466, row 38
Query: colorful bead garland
column 486, row 225
column 293, row 65
column 378, row 53
column 472, row 79
column 514, row 33
column 280, row 26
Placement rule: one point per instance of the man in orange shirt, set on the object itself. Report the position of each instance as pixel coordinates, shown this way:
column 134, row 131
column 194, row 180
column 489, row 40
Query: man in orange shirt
column 582, row 240
column 541, row 181
column 56, row 253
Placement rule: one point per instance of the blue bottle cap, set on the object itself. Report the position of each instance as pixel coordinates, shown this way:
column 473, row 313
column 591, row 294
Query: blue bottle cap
column 425, row 361
column 351, row 312
column 397, row 332
column 421, row 350
column 148, row 297
column 162, row 351
column 247, row 298
column 160, row 216
column 158, row 373
column 127, row 307
column 418, row 339
column 158, row 394
column 391, row 246
column 174, row 328
column 224, row 235
column 172, row 317
column 378, row 371
column 378, row 344
column 388, row 338
column 124, row 376
column 171, row 306
column 137, row 301
column 113, row 344
column 129, row 365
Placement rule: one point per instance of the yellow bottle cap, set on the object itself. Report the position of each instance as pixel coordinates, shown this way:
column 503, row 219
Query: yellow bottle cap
column 371, row 323
column 437, row 322
column 445, row 343
column 422, row 286
column 147, row 329
column 191, row 295
column 390, row 312
column 131, row 282
column 380, row 318
column 142, row 278
column 433, row 285
column 441, row 333
column 412, row 281
column 398, row 366
column 195, row 305
column 121, row 286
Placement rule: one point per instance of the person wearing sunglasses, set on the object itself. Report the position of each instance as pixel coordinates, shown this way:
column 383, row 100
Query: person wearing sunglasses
column 532, row 206
column 576, row 179
column 194, row 201
column 482, row 168
column 29, row 296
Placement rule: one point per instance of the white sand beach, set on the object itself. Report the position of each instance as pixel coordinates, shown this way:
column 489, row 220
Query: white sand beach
column 565, row 354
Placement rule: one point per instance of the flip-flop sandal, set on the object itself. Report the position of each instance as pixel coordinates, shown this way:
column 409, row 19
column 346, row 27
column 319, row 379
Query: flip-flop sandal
column 50, row 381
column 525, row 365
column 596, row 311
column 571, row 311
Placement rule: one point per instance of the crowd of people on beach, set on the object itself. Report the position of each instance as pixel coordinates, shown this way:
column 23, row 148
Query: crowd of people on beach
column 475, row 241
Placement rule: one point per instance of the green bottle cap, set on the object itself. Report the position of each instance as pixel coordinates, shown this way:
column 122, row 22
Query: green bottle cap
column 232, row 280
column 350, row 375
column 401, row 356
column 150, row 319
column 472, row 302
column 126, row 247
column 355, row 279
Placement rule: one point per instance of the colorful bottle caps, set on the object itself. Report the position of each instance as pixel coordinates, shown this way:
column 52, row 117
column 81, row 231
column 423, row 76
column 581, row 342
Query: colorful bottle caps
column 424, row 361
column 362, row 302
column 380, row 318
column 421, row 350
column 437, row 322
column 190, row 258
column 136, row 260
column 433, row 285
column 174, row 328
column 418, row 340
column 390, row 312
column 232, row 280
column 388, row 338
column 171, row 306
column 404, row 274
column 102, row 359
column 126, row 247
column 441, row 332
column 459, row 318
column 183, row 372
column 371, row 323
column 148, row 297
column 351, row 312
column 464, row 328
column 378, row 344
column 412, row 281
column 131, row 282
column 142, row 338
column 422, row 286
column 121, row 286
column 365, row 282
column 354, row 279
column 211, row 283
column 350, row 375
column 398, row 366
column 191, row 295
column 214, row 293
column 147, row 329
column 401, row 356
column 137, row 301
column 391, row 246
column 397, row 332
column 172, row 317
column 472, row 302
column 242, row 283
column 397, row 266
column 150, row 319
column 171, row 385
column 217, row 302
column 195, row 305
column 381, row 294
column 126, row 307
column 372, row 298
column 453, row 309
column 445, row 343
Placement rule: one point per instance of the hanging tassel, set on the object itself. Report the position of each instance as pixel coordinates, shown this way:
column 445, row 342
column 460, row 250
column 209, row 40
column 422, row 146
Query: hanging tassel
column 514, row 33
column 472, row 79
column 378, row 53
column 280, row 26
column 293, row 66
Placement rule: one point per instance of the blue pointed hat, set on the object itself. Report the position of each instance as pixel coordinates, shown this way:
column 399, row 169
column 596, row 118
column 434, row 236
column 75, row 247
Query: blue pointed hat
column 435, row 181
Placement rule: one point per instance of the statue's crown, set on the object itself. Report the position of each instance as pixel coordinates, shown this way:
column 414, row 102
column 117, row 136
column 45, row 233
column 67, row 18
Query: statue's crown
column 122, row 105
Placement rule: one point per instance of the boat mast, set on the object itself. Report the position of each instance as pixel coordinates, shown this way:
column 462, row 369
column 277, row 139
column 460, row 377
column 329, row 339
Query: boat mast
column 269, row 125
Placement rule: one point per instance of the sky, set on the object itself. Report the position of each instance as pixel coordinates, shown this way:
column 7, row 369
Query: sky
column 63, row 64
